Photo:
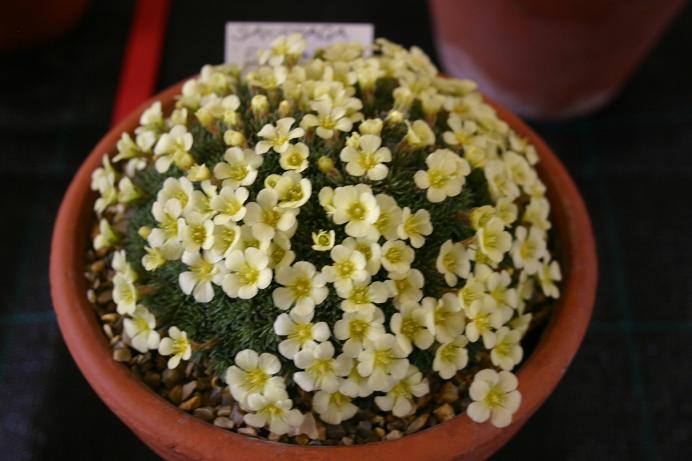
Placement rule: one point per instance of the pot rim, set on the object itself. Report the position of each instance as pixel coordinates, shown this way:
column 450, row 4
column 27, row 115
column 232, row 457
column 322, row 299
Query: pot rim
column 172, row 432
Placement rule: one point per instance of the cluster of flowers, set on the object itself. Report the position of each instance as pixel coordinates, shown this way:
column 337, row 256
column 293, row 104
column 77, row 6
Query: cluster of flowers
column 236, row 243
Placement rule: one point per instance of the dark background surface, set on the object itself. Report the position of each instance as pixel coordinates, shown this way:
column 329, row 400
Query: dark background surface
column 628, row 393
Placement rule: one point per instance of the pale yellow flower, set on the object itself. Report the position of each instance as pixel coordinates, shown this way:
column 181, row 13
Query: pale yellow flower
column 445, row 176
column 367, row 158
column 495, row 397
column 176, row 345
column 415, row 226
column 278, row 137
column 399, row 398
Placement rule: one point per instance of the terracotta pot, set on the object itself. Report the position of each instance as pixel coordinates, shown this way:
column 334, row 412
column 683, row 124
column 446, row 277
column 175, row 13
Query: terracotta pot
column 27, row 23
column 176, row 435
column 547, row 58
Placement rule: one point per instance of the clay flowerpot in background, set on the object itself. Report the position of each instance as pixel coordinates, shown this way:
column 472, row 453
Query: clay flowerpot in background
column 176, row 435
column 25, row 23
column 547, row 58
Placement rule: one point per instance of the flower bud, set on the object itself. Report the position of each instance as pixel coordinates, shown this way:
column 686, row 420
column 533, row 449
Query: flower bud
column 234, row 138
column 259, row 105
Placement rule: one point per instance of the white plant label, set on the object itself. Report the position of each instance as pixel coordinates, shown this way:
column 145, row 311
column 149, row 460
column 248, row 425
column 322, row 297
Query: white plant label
column 245, row 39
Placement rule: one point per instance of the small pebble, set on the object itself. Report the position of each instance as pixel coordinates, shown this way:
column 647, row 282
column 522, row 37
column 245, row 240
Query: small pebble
column 379, row 432
column 152, row 378
column 188, row 389
column 191, row 403
column 226, row 397
column 448, row 394
column 309, row 427
column 111, row 317
column 302, row 439
column 236, row 415
column 97, row 266
column 335, row 432
column 224, row 411
column 347, row 441
column 417, row 424
column 223, row 422
column 393, row 435
column 104, row 297
column 444, row 412
column 170, row 377
column 213, row 397
column 248, row 430
column 176, row 394
column 122, row 354
column 205, row 413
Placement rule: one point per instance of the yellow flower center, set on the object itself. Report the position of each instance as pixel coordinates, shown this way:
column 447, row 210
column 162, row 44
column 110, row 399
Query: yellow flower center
column 181, row 196
column 169, row 226
column 469, row 294
column 365, row 249
column 449, row 262
column 237, row 171
column 127, row 293
column 295, row 159
column 494, row 397
column 327, row 122
column 141, row 324
column 367, row 161
column 462, row 136
column 383, row 358
column 360, row 295
column 198, row 233
column 503, row 347
column 302, row 332
column 409, row 327
column 356, row 212
column 180, row 345
column 394, row 254
column 338, row 399
column 302, row 287
column 482, row 321
column 231, row 207
column 270, row 217
column 383, row 221
column 248, row 275
column 437, row 178
column 401, row 389
column 277, row 254
column 358, row 329
column 345, row 268
column 255, row 380
column 441, row 315
column 271, row 411
column 489, row 239
column 280, row 139
column 527, row 249
column 203, row 270
column 251, row 242
column 295, row 193
column 322, row 367
column 449, row 353
column 227, row 236
column 323, row 239
column 411, row 226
